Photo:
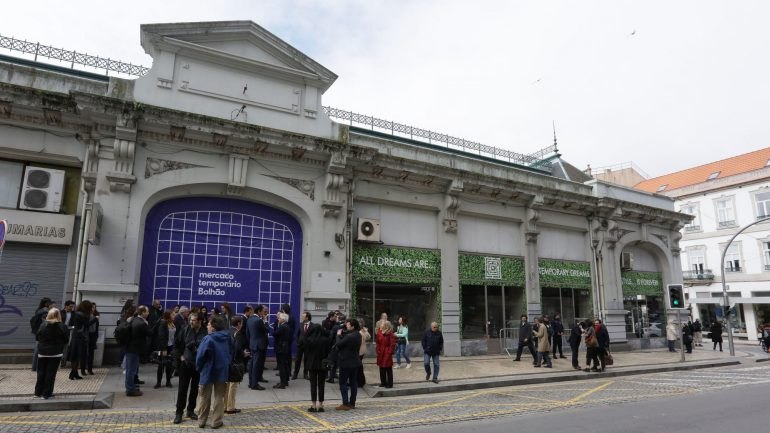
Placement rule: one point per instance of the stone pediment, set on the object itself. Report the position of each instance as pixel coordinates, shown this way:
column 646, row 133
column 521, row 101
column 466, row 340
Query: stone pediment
column 236, row 40
column 235, row 70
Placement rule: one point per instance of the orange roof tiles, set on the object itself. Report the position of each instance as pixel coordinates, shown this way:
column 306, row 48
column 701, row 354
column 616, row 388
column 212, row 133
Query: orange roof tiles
column 727, row 167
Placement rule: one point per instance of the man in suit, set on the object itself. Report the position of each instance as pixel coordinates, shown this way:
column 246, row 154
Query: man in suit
column 256, row 330
column 301, row 333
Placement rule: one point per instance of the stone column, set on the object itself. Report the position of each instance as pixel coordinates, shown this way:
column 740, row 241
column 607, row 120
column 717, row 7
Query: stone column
column 531, row 262
column 450, row 279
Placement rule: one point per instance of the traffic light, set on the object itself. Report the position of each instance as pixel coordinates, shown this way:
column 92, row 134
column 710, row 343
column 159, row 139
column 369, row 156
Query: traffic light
column 675, row 296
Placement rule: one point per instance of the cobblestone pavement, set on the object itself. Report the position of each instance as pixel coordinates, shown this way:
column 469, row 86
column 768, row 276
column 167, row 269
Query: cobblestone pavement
column 14, row 385
column 383, row 414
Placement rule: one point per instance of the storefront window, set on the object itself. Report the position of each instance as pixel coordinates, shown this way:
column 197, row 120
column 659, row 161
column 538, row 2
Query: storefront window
column 487, row 309
column 645, row 317
column 419, row 303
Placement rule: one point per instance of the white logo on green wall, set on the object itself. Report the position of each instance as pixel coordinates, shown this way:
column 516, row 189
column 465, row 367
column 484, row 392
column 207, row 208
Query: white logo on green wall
column 392, row 262
column 492, row 268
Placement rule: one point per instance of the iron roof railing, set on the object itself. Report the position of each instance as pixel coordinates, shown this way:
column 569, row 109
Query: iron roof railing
column 539, row 159
column 72, row 57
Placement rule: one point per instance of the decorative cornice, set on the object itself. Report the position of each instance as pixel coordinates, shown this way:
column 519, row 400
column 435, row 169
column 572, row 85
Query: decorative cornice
column 155, row 166
column 306, row 187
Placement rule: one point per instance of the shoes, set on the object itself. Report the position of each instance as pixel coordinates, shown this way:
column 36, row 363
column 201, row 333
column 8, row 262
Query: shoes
column 258, row 388
column 382, row 385
column 294, row 377
column 83, row 373
column 168, row 385
column 91, row 372
column 37, row 397
column 306, row 377
column 577, row 367
column 320, row 409
column 312, row 410
column 343, row 407
column 388, row 386
column 230, row 412
column 134, row 393
column 74, row 375
column 352, row 405
column 217, row 426
column 586, row 369
column 536, row 365
column 435, row 380
column 262, row 380
column 427, row 376
column 549, row 366
column 594, row 369
column 330, row 381
column 178, row 418
column 201, row 425
column 408, row 365
column 192, row 415
column 279, row 386
column 395, row 367
column 157, row 385
column 517, row 359
column 138, row 382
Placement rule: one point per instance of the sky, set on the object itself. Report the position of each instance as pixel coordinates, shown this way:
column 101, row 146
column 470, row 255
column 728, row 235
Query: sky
column 666, row 85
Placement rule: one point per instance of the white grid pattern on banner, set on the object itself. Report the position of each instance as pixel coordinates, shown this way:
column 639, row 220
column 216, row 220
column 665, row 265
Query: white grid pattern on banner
column 226, row 241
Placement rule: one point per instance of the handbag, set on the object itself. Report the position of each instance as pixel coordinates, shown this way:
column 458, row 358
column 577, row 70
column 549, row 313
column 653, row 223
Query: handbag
column 236, row 371
column 155, row 357
column 330, row 362
column 608, row 360
column 400, row 340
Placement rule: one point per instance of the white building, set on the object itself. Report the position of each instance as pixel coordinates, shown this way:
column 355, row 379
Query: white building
column 218, row 176
column 723, row 197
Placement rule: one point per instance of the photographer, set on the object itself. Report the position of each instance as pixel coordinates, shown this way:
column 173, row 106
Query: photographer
column 348, row 344
column 185, row 349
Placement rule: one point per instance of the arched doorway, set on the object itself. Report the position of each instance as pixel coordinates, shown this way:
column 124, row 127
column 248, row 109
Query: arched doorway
column 209, row 250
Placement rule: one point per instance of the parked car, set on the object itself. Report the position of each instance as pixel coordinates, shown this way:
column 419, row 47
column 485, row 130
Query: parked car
column 653, row 330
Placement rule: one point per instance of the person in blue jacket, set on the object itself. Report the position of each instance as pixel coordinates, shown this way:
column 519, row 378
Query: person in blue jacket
column 212, row 361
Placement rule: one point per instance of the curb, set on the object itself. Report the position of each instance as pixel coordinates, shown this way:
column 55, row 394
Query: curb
column 547, row 378
column 102, row 400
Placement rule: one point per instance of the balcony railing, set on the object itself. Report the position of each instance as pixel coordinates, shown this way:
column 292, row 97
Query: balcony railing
column 733, row 269
column 726, row 224
column 705, row 274
column 692, row 228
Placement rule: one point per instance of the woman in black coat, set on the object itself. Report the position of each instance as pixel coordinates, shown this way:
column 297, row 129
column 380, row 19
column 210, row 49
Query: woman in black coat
column 93, row 336
column 51, row 338
column 716, row 335
column 163, row 342
column 315, row 346
column 78, row 352
column 282, row 341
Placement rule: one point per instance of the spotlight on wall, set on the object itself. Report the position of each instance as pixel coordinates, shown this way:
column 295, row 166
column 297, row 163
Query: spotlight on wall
column 327, row 253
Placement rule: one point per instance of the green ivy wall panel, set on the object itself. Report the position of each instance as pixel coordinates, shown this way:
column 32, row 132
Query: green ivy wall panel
column 642, row 283
column 489, row 269
column 397, row 265
column 558, row 273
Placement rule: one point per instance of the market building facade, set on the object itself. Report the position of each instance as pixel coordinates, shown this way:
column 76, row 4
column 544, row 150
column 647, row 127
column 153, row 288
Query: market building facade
column 218, row 176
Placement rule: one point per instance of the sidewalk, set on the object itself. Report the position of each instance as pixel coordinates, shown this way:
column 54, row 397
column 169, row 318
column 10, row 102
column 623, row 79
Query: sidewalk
column 105, row 389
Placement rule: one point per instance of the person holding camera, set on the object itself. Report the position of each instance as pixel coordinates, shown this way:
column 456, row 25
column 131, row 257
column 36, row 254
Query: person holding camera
column 315, row 345
column 185, row 349
column 348, row 345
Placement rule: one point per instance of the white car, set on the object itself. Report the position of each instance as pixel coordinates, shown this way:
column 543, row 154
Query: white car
column 654, row 330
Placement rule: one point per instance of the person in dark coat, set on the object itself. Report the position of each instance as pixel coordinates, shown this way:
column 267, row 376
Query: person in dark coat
column 716, row 335
column 282, row 343
column 575, row 337
column 186, row 344
column 338, row 325
column 525, row 339
column 603, row 337
column 256, row 330
column 78, row 350
column 316, row 348
column 687, row 337
column 163, row 342
column 51, row 338
column 136, row 347
column 558, row 335
column 348, row 345
column 301, row 334
column 93, row 336
column 432, row 345
column 241, row 346
column 37, row 320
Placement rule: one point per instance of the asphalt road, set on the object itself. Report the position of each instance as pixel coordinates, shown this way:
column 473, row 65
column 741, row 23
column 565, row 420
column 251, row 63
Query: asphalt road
column 709, row 400
column 735, row 407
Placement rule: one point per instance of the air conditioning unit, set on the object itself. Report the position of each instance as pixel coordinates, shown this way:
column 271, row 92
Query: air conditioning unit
column 368, row 230
column 42, row 189
column 626, row 261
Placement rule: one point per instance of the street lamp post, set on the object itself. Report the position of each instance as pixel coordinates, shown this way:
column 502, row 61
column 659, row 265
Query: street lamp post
column 726, row 306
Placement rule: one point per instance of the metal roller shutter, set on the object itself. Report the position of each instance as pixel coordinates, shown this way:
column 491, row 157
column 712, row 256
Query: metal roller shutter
column 28, row 272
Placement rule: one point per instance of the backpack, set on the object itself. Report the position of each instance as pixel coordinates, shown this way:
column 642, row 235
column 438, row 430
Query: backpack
column 36, row 321
column 122, row 333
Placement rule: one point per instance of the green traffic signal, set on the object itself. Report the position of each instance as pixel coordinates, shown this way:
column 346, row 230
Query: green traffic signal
column 675, row 295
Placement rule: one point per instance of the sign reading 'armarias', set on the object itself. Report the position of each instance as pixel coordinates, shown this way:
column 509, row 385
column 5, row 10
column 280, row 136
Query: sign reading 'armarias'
column 396, row 264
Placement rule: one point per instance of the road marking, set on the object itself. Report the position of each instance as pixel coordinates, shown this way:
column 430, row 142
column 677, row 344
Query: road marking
column 311, row 417
column 589, row 392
